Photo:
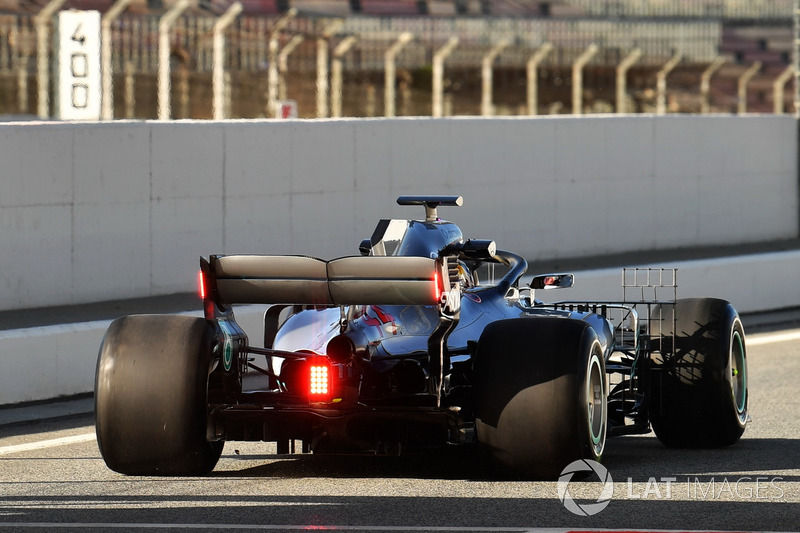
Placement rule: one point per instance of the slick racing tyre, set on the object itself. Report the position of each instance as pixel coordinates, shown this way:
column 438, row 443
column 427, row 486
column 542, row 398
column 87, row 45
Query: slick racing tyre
column 541, row 394
column 150, row 396
column 699, row 393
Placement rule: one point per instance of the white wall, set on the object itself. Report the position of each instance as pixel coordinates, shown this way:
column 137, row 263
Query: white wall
column 103, row 211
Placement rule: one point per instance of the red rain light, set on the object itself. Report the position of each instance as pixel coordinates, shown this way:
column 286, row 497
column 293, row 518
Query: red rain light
column 319, row 380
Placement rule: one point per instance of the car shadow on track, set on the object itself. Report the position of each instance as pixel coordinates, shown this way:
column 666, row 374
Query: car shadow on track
column 642, row 458
column 456, row 463
column 631, row 458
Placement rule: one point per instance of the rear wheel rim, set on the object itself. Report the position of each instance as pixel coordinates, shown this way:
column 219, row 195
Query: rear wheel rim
column 738, row 373
column 596, row 403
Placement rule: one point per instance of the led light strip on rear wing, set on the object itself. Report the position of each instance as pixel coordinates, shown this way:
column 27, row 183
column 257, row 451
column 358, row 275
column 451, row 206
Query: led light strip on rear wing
column 247, row 279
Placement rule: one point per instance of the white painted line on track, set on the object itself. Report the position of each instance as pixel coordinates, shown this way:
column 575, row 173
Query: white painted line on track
column 276, row 527
column 769, row 338
column 318, row 527
column 42, row 444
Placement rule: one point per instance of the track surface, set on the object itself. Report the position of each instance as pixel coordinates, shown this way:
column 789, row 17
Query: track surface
column 52, row 476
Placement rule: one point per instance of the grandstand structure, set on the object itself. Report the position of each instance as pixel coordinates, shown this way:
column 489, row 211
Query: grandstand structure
column 734, row 36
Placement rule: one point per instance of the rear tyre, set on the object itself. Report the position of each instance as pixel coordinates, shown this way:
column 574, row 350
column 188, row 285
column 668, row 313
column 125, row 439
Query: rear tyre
column 151, row 396
column 541, row 394
column 699, row 396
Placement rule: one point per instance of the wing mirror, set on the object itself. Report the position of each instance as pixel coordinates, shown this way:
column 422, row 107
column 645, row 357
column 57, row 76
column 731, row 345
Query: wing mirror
column 553, row 281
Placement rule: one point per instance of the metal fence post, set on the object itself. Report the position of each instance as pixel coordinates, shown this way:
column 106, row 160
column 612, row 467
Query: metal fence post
column 130, row 91
column 390, row 73
column 531, row 68
column 577, row 77
column 22, row 89
column 322, row 67
column 486, row 77
column 184, row 102
column 622, row 78
column 336, row 74
column 43, row 54
column 164, row 83
column 796, row 57
column 218, row 58
column 438, row 74
column 705, row 84
column 283, row 63
column 107, row 96
column 778, row 87
column 745, row 78
column 661, row 83
column 272, row 70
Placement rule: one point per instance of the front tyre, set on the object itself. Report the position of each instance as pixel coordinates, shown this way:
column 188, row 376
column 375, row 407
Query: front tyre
column 151, row 396
column 541, row 394
column 699, row 389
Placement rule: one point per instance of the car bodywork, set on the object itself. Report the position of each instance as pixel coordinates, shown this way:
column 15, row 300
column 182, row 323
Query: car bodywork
column 404, row 348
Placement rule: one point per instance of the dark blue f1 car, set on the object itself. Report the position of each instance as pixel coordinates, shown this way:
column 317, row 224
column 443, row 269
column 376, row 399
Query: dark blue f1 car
column 422, row 341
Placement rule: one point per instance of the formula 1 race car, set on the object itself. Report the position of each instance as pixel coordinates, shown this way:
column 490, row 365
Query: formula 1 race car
column 424, row 340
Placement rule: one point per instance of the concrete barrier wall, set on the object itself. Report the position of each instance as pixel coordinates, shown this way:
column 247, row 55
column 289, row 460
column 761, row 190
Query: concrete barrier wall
column 56, row 361
column 94, row 212
column 47, row 362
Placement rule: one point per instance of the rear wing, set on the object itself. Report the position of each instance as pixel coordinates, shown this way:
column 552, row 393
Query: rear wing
column 285, row 280
column 282, row 279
